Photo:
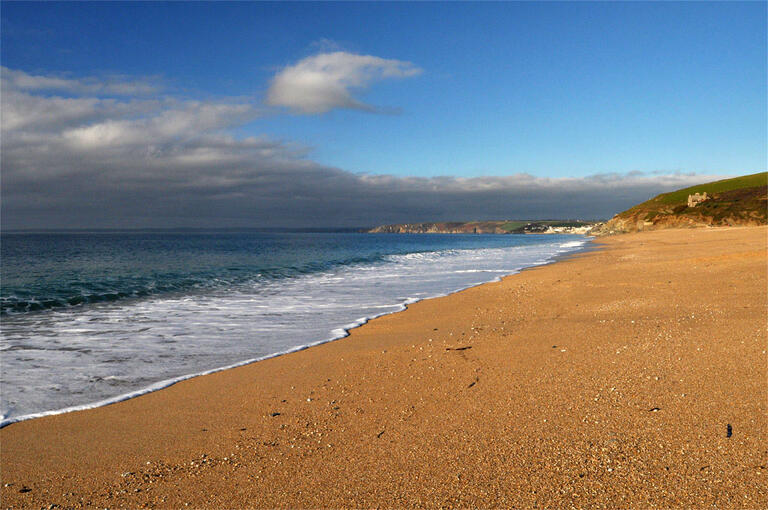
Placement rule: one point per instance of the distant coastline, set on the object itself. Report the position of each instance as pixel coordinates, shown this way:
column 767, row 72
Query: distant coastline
column 490, row 227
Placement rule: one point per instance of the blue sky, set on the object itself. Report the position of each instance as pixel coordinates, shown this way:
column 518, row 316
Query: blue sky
column 553, row 90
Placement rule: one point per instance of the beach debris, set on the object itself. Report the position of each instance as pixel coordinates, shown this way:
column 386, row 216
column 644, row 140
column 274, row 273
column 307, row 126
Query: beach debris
column 464, row 348
column 380, row 433
column 274, row 414
column 653, row 410
column 728, row 430
column 25, row 489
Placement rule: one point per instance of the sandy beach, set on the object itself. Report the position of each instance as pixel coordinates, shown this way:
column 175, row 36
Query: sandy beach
column 633, row 376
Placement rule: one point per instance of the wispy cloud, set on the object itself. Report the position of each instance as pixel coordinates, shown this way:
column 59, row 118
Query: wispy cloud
column 327, row 81
column 112, row 85
column 100, row 161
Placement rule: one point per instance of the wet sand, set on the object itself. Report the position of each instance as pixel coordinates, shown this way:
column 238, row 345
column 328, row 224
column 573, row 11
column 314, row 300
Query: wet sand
column 633, row 376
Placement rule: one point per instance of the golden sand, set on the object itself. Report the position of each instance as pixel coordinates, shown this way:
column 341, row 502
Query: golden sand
column 612, row 379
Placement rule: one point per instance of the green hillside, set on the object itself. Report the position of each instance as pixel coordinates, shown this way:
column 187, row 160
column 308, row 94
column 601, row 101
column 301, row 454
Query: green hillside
column 737, row 201
column 681, row 196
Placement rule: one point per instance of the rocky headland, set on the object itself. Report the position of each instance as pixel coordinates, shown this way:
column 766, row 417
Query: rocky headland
column 489, row 227
column 741, row 201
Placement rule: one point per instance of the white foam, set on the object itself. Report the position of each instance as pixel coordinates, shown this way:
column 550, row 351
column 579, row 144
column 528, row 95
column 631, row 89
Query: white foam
column 574, row 244
column 146, row 345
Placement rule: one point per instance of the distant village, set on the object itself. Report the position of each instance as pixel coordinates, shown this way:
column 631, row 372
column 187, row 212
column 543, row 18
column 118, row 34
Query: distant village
column 490, row 227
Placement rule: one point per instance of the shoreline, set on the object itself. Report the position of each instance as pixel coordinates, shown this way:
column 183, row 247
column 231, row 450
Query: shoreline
column 344, row 332
column 605, row 378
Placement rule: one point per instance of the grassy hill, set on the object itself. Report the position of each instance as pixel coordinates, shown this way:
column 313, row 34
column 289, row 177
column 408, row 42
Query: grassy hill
column 738, row 201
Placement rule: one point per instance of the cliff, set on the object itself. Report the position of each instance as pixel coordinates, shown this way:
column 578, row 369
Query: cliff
column 488, row 227
column 738, row 201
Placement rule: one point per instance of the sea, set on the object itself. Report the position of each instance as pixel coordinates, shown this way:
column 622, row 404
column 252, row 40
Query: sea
column 92, row 318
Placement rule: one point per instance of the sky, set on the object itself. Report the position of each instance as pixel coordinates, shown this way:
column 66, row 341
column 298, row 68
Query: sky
column 120, row 115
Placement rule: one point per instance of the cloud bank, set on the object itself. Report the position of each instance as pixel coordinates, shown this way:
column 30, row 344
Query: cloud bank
column 326, row 81
column 88, row 159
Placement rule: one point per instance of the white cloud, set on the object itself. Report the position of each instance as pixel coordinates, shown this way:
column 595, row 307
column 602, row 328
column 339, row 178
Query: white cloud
column 189, row 121
column 112, row 85
column 97, row 161
column 326, row 81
